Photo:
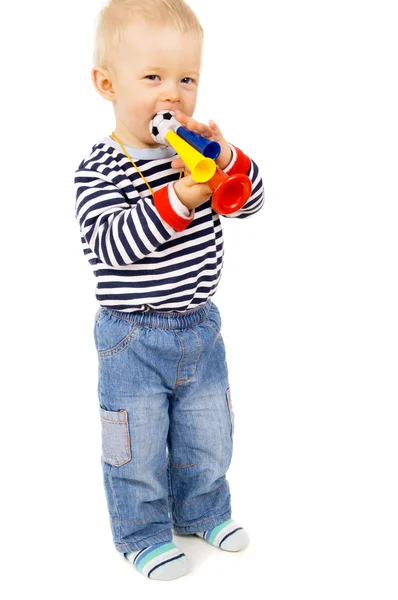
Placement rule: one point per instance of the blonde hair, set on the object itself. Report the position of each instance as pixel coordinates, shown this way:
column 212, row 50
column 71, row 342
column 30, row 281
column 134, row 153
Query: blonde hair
column 117, row 14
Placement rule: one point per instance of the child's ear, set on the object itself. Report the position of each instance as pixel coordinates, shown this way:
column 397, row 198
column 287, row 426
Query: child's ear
column 102, row 81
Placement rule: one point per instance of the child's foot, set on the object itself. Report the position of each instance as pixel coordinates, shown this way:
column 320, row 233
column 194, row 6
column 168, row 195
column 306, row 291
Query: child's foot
column 227, row 536
column 160, row 561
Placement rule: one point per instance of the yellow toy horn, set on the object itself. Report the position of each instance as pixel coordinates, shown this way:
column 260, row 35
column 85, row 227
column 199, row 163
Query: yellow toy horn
column 202, row 169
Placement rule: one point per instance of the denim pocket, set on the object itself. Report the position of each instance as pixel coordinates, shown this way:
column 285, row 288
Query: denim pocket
column 115, row 437
column 113, row 335
column 231, row 412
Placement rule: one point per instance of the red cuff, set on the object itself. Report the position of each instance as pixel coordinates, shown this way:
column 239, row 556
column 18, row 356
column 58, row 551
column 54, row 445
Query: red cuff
column 241, row 164
column 163, row 205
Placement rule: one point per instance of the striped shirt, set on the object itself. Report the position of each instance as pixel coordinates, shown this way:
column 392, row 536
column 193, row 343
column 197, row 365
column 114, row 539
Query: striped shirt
column 147, row 251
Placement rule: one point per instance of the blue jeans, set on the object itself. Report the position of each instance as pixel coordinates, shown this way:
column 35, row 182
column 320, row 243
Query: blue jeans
column 167, row 423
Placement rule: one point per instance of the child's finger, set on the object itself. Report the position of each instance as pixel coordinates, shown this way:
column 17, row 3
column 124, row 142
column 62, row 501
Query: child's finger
column 181, row 117
column 188, row 181
column 197, row 127
column 215, row 130
column 193, row 125
column 177, row 163
column 202, row 188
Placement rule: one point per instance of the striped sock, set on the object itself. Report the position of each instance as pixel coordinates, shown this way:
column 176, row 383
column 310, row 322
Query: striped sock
column 227, row 536
column 160, row 561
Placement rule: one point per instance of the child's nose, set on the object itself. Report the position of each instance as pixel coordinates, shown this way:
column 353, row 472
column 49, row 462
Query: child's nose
column 170, row 93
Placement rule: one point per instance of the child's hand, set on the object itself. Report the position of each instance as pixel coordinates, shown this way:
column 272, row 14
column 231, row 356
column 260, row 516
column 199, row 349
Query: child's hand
column 190, row 193
column 210, row 131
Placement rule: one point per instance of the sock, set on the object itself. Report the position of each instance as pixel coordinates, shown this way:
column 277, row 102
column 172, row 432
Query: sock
column 227, row 536
column 160, row 561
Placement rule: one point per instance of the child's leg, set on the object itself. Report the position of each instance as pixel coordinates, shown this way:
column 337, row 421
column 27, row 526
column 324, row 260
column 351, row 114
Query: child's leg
column 201, row 437
column 134, row 417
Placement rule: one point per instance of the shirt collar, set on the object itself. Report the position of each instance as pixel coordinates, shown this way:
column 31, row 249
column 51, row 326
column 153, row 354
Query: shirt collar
column 141, row 153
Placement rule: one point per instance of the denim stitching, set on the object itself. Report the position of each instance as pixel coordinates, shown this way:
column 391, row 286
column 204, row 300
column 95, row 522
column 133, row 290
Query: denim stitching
column 197, row 362
column 183, row 466
column 213, row 326
column 182, row 358
column 200, row 352
column 114, row 350
column 213, row 322
column 159, row 474
column 231, row 412
column 126, row 440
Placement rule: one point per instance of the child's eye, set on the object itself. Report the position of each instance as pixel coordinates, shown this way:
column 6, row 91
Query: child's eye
column 187, row 80
column 152, row 77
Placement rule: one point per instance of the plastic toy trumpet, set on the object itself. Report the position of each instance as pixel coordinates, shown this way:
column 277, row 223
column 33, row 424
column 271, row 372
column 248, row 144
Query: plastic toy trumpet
column 230, row 192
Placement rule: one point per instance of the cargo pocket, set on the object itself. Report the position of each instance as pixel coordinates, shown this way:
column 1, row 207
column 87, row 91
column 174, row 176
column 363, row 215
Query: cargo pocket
column 115, row 437
column 231, row 412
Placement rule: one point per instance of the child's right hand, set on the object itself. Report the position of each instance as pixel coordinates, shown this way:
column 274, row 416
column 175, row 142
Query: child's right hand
column 190, row 193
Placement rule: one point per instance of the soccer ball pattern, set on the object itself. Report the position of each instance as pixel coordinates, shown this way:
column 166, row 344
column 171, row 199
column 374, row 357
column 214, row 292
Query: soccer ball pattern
column 161, row 123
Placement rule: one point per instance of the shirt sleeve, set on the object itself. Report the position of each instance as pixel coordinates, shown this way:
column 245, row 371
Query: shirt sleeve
column 118, row 232
column 240, row 163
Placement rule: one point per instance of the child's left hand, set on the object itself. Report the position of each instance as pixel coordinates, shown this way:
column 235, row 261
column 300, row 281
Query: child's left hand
column 210, row 131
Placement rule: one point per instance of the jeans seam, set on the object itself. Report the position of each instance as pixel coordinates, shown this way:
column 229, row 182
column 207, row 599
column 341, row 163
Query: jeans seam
column 161, row 471
column 115, row 500
column 214, row 327
column 179, row 381
column 181, row 359
column 113, row 460
column 183, row 466
column 116, row 349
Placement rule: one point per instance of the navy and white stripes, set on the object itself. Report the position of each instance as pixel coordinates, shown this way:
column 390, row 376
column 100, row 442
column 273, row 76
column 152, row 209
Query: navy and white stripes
column 141, row 262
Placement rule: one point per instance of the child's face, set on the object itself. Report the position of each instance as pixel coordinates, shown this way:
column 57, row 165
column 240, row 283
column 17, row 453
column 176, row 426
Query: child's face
column 157, row 68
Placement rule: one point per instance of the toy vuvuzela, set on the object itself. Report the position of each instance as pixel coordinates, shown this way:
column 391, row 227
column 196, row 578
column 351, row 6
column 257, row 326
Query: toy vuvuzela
column 230, row 192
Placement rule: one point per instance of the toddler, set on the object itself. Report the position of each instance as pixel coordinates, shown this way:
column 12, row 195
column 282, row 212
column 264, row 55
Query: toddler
column 156, row 247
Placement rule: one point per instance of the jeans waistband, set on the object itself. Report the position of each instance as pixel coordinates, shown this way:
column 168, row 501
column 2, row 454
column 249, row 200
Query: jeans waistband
column 165, row 320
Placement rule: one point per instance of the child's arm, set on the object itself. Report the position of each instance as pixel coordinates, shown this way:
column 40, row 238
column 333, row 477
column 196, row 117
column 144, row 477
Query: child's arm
column 118, row 232
column 231, row 160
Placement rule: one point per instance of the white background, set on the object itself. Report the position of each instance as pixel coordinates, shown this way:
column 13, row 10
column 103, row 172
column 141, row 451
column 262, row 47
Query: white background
column 308, row 298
